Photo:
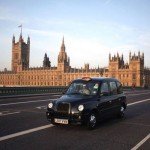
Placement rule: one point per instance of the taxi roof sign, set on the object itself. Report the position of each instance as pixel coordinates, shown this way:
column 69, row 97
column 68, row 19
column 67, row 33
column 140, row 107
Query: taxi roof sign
column 86, row 78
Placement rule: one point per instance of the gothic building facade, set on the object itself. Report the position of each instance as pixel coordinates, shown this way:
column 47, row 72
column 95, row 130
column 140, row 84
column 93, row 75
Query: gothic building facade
column 22, row 75
column 20, row 54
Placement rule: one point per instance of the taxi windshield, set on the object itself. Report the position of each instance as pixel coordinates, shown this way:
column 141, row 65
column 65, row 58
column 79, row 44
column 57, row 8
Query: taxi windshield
column 84, row 88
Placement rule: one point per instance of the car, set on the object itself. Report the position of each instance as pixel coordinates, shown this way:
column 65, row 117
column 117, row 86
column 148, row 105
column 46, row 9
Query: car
column 86, row 101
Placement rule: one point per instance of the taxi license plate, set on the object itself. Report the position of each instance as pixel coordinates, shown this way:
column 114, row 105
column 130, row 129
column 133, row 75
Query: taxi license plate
column 61, row 121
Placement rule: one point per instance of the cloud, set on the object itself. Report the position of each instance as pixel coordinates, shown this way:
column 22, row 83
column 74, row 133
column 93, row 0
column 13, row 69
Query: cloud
column 144, row 39
column 43, row 32
column 58, row 21
column 8, row 14
column 83, row 49
column 86, row 50
column 107, row 2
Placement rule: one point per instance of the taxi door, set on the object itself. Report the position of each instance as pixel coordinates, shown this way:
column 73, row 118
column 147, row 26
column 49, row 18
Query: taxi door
column 105, row 100
column 115, row 98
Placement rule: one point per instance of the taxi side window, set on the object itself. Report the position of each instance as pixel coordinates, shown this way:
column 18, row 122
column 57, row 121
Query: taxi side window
column 113, row 88
column 119, row 86
column 104, row 89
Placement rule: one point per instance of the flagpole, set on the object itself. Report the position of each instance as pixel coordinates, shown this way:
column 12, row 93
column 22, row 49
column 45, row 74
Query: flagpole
column 21, row 29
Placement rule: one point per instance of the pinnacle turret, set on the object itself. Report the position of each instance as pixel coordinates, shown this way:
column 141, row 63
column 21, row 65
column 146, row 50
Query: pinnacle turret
column 63, row 45
column 13, row 39
column 28, row 40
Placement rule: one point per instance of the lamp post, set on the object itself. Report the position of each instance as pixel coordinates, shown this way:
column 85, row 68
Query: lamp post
column 144, row 81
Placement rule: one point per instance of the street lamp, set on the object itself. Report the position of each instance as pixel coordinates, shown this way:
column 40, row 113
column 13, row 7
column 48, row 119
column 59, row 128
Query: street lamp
column 143, row 80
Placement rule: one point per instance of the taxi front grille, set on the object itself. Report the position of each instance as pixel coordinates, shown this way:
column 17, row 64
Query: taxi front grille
column 63, row 108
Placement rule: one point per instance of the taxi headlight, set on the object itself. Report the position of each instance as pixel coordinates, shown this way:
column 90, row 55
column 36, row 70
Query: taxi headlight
column 50, row 105
column 80, row 107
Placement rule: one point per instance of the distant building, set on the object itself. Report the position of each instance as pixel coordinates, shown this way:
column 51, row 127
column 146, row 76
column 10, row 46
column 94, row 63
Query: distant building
column 132, row 73
column 46, row 62
column 20, row 54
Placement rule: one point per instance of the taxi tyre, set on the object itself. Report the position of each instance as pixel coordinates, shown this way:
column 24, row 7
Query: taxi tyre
column 92, row 121
column 121, row 113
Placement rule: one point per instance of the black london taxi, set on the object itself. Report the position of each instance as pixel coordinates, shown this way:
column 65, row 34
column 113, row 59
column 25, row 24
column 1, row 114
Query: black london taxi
column 86, row 101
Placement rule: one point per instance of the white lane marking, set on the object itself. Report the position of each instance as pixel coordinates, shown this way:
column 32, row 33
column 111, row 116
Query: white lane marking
column 138, row 102
column 16, row 103
column 17, row 112
column 137, row 94
column 21, row 98
column 141, row 142
column 24, row 132
column 130, row 104
column 4, row 111
column 36, row 101
column 38, row 128
column 41, row 107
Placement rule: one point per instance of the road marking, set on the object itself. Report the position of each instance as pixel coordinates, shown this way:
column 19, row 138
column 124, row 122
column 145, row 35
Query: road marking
column 21, row 98
column 137, row 94
column 4, row 111
column 36, row 101
column 48, row 126
column 137, row 124
column 16, row 103
column 17, row 112
column 130, row 104
column 24, row 132
column 148, row 136
column 141, row 142
column 41, row 107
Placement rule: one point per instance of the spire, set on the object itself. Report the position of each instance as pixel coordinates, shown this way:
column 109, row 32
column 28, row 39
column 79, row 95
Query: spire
column 13, row 39
column 45, row 55
column 117, row 55
column 139, row 55
column 143, row 55
column 122, row 56
column 28, row 40
column 109, row 56
column 130, row 55
column 63, row 40
column 69, row 60
column 63, row 45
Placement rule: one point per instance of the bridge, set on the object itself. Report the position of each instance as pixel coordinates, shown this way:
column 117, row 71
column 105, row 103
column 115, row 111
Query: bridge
column 23, row 124
column 6, row 91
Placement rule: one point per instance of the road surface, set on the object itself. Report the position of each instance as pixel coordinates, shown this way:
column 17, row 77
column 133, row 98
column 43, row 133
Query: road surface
column 23, row 126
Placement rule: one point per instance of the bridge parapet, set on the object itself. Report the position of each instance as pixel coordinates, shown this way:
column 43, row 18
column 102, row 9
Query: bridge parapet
column 31, row 90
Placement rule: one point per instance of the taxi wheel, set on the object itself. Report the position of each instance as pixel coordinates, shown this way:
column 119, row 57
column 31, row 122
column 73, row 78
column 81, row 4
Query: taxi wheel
column 121, row 112
column 92, row 121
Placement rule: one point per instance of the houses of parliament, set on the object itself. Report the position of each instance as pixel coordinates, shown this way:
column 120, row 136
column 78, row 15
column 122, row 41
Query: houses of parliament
column 131, row 73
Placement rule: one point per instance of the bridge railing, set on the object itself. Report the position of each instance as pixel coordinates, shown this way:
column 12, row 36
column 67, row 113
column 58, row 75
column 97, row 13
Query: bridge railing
column 31, row 90
column 40, row 90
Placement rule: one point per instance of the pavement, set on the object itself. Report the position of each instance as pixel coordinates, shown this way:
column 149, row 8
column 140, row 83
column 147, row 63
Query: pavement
column 23, row 126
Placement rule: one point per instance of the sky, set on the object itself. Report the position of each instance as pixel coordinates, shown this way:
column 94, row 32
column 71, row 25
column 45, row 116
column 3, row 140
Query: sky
column 91, row 28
